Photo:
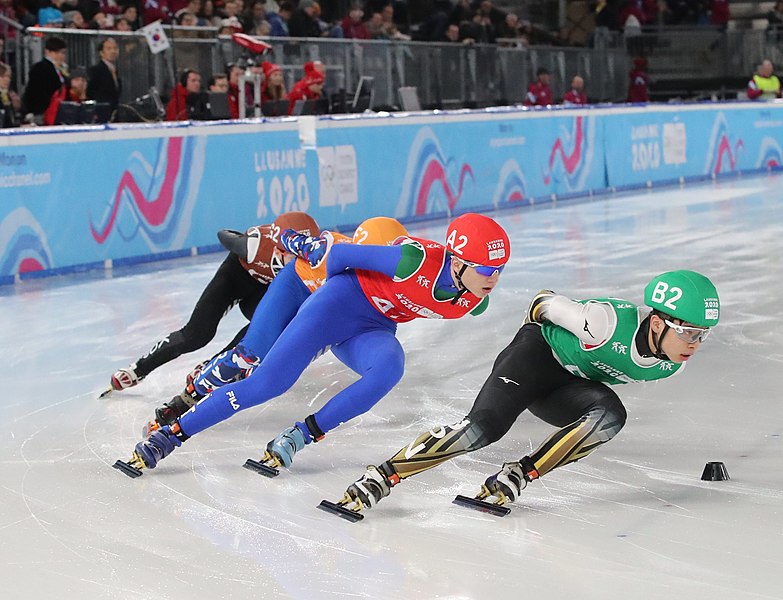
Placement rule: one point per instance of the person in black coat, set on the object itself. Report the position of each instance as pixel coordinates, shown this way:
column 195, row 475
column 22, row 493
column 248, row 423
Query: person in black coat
column 104, row 83
column 45, row 77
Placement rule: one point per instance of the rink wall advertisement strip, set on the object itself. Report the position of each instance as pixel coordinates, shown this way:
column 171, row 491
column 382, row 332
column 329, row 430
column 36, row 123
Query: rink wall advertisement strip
column 92, row 197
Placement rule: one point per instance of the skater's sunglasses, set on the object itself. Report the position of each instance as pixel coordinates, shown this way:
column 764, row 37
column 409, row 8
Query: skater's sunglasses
column 483, row 269
column 689, row 334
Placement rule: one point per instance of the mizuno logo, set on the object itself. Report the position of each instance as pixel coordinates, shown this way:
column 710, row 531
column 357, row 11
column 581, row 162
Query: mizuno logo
column 587, row 330
column 233, row 400
column 507, row 380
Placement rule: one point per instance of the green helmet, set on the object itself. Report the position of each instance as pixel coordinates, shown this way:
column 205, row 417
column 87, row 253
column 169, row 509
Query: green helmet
column 684, row 295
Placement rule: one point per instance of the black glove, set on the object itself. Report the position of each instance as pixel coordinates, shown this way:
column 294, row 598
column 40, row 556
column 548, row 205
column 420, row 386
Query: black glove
column 539, row 307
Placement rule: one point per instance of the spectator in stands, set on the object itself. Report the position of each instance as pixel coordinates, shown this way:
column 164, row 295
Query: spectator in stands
column 310, row 87
column 10, row 103
column 273, row 87
column 208, row 15
column 375, row 27
column 390, row 28
column 50, row 15
column 509, row 28
column 720, row 14
column 45, row 79
column 639, row 81
column 576, row 95
column 218, row 82
column 539, row 93
column 73, row 19
column 764, row 85
column 254, row 18
column 279, row 20
column 304, row 20
column 77, row 90
column 131, row 14
column 451, row 34
column 478, row 30
column 189, row 83
column 234, row 73
column 353, row 26
column 495, row 16
column 101, row 21
column 104, row 83
column 122, row 24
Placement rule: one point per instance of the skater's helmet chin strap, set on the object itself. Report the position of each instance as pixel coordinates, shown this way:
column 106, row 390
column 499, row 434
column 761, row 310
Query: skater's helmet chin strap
column 461, row 289
column 657, row 338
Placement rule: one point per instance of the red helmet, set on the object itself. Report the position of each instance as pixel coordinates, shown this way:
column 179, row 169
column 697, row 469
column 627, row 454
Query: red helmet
column 479, row 240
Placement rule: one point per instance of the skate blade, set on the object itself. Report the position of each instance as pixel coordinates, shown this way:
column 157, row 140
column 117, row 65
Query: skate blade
column 106, row 392
column 482, row 505
column 261, row 468
column 127, row 468
column 341, row 511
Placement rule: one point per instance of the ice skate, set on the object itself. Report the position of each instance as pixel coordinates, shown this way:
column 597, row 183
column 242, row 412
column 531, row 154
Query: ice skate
column 502, row 488
column 194, row 374
column 279, row 453
column 151, row 451
column 373, row 486
column 122, row 379
column 167, row 414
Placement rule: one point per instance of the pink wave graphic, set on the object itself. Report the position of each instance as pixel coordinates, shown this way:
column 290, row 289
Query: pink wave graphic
column 724, row 148
column 154, row 212
column 435, row 173
column 570, row 161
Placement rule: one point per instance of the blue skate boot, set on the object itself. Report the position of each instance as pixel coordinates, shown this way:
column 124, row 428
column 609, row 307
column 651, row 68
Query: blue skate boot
column 280, row 451
column 152, row 450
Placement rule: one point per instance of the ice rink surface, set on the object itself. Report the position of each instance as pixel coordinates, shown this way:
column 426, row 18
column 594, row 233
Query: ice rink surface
column 631, row 521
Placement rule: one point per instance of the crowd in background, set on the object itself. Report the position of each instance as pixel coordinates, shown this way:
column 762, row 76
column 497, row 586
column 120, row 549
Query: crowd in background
column 51, row 82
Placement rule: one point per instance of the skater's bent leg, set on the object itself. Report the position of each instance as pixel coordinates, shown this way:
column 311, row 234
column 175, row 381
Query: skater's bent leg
column 313, row 329
column 589, row 413
column 377, row 356
column 227, row 285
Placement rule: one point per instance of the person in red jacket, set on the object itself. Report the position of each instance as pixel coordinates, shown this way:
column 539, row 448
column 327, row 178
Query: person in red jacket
column 639, row 85
column 273, row 87
column 539, row 93
column 575, row 96
column 189, row 83
column 309, row 87
column 353, row 26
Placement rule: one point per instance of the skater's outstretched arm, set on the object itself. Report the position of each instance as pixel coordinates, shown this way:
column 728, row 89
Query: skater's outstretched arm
column 385, row 259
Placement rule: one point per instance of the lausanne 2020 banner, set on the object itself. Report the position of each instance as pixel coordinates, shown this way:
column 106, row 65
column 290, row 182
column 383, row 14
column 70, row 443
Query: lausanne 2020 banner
column 92, row 197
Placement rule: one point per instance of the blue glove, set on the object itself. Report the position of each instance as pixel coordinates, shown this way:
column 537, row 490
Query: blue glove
column 312, row 249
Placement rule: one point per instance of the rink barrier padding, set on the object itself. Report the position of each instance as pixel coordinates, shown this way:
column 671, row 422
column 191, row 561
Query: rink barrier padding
column 82, row 198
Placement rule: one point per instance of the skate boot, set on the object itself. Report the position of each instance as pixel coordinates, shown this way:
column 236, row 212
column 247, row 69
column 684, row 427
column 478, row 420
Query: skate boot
column 173, row 409
column 506, row 484
column 373, row 486
column 502, row 488
column 149, row 452
column 122, row 380
column 280, row 451
column 194, row 374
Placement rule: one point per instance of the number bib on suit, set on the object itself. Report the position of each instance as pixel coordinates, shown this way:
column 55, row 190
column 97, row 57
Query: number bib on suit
column 616, row 360
column 412, row 297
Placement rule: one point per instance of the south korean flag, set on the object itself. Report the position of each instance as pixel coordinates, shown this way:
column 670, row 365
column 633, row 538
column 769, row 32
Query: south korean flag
column 157, row 39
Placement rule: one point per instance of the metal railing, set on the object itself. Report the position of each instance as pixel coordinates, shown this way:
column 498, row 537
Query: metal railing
column 445, row 75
